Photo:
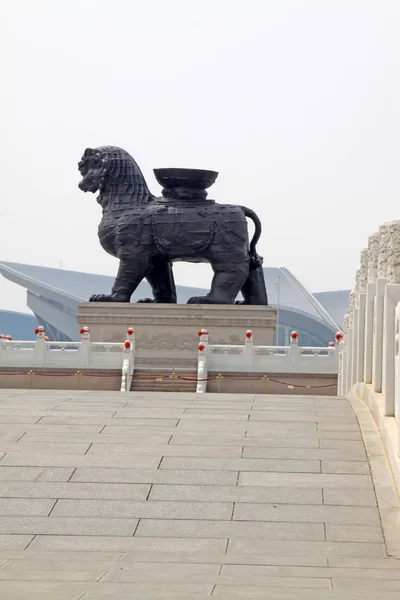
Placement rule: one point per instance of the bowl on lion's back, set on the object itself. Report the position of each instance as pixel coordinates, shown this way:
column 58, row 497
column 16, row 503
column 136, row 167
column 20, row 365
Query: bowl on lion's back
column 185, row 178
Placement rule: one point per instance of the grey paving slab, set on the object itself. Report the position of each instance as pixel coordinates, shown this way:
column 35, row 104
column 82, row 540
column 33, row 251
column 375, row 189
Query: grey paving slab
column 209, row 529
column 70, row 526
column 26, row 506
column 354, row 533
column 8, row 573
column 338, row 515
column 258, row 548
column 274, row 593
column 242, row 464
column 35, row 473
column 324, row 454
column 348, row 497
column 14, row 542
column 141, row 439
column 144, row 510
column 130, row 449
column 98, row 491
column 195, row 493
column 95, row 418
column 226, row 440
column 51, row 447
column 323, row 480
column 123, row 475
column 345, row 466
column 179, row 547
column 166, row 573
column 22, row 459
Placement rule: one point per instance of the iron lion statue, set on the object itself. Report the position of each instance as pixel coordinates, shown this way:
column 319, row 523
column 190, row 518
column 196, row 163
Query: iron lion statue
column 148, row 234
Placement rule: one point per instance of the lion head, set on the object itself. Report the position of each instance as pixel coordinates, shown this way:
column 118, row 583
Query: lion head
column 113, row 172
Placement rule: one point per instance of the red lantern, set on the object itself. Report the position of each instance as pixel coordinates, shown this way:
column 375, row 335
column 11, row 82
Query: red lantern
column 127, row 344
column 81, row 331
column 9, row 338
column 36, row 330
column 130, row 331
column 201, row 347
column 46, row 339
column 249, row 334
column 331, row 344
column 339, row 336
column 294, row 335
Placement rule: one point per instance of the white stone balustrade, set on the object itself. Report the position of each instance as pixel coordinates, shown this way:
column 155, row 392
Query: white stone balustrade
column 369, row 362
column 249, row 358
column 83, row 355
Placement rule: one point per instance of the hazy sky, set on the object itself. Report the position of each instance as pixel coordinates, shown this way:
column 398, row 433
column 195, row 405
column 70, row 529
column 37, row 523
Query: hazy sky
column 294, row 102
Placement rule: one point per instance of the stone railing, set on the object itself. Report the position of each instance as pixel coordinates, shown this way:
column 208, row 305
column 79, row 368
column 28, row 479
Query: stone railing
column 249, row 358
column 369, row 361
column 80, row 356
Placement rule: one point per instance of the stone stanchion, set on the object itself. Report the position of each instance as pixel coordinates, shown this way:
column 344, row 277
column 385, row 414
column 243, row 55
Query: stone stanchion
column 378, row 308
column 373, row 251
column 361, row 300
column 391, row 298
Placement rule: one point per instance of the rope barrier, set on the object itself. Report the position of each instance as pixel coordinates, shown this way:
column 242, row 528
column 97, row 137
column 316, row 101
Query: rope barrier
column 173, row 377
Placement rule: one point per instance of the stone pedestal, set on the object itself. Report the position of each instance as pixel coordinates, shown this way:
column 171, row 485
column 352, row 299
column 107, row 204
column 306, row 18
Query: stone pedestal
column 166, row 334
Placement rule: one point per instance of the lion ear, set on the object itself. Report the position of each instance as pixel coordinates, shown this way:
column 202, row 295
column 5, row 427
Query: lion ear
column 87, row 152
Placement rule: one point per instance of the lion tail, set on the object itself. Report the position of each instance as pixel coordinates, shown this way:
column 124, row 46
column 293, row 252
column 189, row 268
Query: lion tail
column 255, row 259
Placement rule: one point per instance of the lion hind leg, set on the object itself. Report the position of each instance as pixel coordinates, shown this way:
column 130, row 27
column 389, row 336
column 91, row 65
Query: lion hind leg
column 254, row 290
column 161, row 280
column 226, row 284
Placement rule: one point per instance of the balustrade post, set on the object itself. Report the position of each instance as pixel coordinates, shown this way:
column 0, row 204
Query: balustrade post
column 373, row 252
column 391, row 298
column 349, row 353
column 361, row 299
column 85, row 346
column 248, row 350
column 294, row 351
column 40, row 346
column 378, row 308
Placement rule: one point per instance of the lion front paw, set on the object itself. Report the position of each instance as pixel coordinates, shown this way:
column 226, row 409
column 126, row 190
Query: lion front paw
column 199, row 300
column 108, row 298
column 146, row 300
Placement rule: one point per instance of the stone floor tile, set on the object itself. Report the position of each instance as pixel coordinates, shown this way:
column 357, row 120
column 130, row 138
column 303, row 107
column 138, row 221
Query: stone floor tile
column 35, row 473
column 353, row 533
column 349, row 497
column 345, row 466
column 337, row 515
column 124, row 475
column 130, row 449
column 70, row 526
column 144, row 510
column 256, row 530
column 25, row 506
column 241, row 464
column 324, row 480
column 216, row 440
column 324, row 454
column 97, row 491
column 195, row 493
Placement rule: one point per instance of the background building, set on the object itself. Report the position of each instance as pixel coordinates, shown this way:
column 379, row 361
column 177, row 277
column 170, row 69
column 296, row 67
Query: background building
column 53, row 296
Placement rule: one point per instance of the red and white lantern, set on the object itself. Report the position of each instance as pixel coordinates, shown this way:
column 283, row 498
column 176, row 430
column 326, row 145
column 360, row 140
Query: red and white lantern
column 127, row 345
column 201, row 347
column 294, row 336
column 249, row 335
column 338, row 336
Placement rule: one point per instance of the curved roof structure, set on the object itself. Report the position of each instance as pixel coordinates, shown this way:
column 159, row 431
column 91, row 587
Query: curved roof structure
column 19, row 325
column 53, row 295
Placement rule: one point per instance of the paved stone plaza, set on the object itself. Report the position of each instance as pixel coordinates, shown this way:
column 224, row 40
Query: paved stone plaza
column 181, row 496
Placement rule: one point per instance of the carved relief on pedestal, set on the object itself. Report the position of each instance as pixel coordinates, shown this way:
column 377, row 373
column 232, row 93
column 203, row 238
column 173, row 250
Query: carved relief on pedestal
column 383, row 250
column 183, row 341
column 373, row 252
column 393, row 253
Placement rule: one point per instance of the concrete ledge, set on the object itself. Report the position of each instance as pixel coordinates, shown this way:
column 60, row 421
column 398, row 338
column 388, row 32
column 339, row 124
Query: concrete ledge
column 382, row 471
column 387, row 425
